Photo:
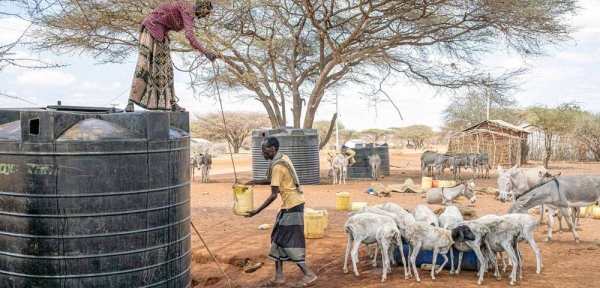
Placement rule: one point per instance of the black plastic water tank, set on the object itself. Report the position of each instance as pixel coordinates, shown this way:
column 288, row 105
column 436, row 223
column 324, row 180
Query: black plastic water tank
column 92, row 198
column 301, row 145
column 362, row 169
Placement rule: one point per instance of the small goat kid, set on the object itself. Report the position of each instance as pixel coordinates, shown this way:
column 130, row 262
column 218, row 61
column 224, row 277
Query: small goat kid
column 387, row 236
column 374, row 162
column 421, row 235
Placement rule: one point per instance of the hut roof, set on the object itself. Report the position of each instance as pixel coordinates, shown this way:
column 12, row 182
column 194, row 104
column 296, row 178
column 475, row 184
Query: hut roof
column 504, row 125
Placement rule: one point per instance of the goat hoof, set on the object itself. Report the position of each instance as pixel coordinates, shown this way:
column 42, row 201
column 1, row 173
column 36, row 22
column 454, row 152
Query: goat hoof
column 345, row 271
column 576, row 241
column 382, row 280
column 418, row 280
column 452, row 272
column 479, row 282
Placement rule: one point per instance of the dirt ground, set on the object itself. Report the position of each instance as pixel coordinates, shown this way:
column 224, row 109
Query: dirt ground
column 233, row 238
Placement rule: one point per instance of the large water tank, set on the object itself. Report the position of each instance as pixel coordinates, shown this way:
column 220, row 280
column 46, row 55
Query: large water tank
column 362, row 169
column 301, row 145
column 94, row 198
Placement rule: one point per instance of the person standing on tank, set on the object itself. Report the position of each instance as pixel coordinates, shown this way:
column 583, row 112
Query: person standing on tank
column 152, row 86
column 287, row 238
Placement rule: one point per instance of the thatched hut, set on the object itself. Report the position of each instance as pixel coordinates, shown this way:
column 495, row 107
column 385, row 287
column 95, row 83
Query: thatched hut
column 504, row 142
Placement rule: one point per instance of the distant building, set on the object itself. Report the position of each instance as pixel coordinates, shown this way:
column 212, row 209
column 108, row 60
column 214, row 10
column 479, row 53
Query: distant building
column 355, row 143
column 504, row 142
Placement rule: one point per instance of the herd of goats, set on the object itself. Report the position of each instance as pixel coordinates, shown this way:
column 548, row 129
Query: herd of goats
column 391, row 225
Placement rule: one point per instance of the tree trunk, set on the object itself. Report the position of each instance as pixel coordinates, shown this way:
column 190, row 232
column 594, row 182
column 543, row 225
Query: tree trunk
column 331, row 126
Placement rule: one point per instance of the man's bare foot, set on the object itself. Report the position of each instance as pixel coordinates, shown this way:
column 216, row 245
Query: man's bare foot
column 273, row 282
column 307, row 281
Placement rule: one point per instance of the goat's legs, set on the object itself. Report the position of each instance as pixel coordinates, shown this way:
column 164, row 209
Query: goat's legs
column 511, row 255
column 355, row 256
column 348, row 251
column 413, row 259
column 460, row 256
column 443, row 263
column 401, row 248
column 536, row 251
column 452, row 260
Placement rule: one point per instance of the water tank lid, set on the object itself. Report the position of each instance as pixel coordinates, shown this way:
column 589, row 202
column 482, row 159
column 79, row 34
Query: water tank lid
column 96, row 129
column 175, row 133
column 11, row 131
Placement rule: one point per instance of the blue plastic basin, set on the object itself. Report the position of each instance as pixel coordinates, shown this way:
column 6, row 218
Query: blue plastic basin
column 469, row 261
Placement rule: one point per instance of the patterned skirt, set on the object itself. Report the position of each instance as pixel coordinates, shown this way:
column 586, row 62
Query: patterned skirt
column 287, row 237
column 152, row 86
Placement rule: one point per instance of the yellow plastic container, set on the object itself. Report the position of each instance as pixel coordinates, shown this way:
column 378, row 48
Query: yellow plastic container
column 325, row 218
column 313, row 224
column 446, row 183
column 426, row 183
column 342, row 201
column 596, row 212
column 582, row 211
column 243, row 199
column 357, row 205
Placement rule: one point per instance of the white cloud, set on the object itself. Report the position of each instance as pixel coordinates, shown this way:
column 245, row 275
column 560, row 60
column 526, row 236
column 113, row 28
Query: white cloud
column 45, row 78
column 87, row 85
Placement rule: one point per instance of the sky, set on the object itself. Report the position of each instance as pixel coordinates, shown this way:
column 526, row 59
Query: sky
column 569, row 73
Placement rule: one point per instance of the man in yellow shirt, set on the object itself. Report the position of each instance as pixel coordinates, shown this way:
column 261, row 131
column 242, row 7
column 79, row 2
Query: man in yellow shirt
column 287, row 237
column 344, row 150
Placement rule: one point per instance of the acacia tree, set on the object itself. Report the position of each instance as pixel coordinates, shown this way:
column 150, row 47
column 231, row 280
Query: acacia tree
column 587, row 130
column 287, row 54
column 553, row 122
column 375, row 135
column 471, row 108
column 22, row 10
column 417, row 134
column 238, row 126
column 325, row 129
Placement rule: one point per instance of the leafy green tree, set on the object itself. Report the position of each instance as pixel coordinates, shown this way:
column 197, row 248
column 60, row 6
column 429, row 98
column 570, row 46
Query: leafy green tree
column 326, row 128
column 554, row 122
column 375, row 136
column 415, row 134
column 291, row 55
column 588, row 132
column 238, row 126
column 471, row 108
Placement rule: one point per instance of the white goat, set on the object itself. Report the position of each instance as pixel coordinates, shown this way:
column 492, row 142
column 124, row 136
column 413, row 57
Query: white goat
column 450, row 216
column 387, row 236
column 503, row 237
column 422, row 213
column 378, row 210
column 527, row 223
column 404, row 215
column 480, row 231
column 420, row 235
column 362, row 228
column 374, row 162
column 339, row 166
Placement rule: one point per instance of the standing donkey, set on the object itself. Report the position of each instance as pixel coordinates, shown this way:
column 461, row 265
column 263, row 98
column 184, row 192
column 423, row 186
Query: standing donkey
column 374, row 162
column 339, row 166
column 205, row 163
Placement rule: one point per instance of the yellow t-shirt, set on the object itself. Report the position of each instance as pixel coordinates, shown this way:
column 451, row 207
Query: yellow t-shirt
column 282, row 178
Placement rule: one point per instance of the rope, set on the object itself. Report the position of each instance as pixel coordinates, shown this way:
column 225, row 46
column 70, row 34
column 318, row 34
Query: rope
column 229, row 281
column 216, row 72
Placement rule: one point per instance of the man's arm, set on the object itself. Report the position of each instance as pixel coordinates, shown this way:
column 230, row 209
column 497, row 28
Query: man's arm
column 270, row 199
column 263, row 181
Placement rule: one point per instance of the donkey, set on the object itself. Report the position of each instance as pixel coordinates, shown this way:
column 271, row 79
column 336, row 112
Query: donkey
column 432, row 159
column 446, row 195
column 339, row 166
column 482, row 161
column 374, row 162
column 205, row 163
column 194, row 164
column 561, row 192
